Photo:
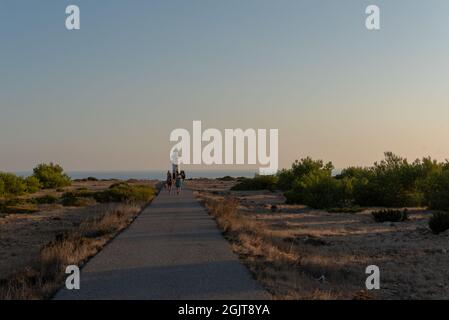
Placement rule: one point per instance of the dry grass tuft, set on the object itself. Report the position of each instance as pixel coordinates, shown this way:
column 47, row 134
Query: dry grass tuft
column 269, row 259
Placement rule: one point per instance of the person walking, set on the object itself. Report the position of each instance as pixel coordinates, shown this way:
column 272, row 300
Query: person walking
column 183, row 175
column 169, row 182
column 178, row 184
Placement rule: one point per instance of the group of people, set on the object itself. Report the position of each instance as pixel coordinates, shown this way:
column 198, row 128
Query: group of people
column 177, row 179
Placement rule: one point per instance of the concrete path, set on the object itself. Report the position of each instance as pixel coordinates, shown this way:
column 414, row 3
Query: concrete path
column 173, row 250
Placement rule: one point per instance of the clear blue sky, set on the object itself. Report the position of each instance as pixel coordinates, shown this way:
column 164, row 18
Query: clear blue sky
column 106, row 97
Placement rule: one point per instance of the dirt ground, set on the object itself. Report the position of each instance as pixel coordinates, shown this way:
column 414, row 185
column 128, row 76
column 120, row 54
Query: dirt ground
column 334, row 249
column 23, row 235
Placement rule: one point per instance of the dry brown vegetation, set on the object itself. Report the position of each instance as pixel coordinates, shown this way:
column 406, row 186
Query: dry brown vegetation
column 45, row 274
column 35, row 248
column 300, row 253
column 272, row 261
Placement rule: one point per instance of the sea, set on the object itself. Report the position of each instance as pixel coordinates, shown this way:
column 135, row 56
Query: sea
column 151, row 174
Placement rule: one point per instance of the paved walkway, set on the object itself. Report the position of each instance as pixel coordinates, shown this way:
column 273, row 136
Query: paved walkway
column 173, row 250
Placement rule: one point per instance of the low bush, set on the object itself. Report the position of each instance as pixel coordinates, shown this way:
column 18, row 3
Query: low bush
column 47, row 199
column 256, row 183
column 318, row 190
column 123, row 192
column 321, row 191
column 439, row 222
column 226, row 178
column 69, row 199
column 83, row 193
column 390, row 215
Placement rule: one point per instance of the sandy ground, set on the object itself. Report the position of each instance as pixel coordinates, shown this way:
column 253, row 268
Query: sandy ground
column 336, row 248
column 23, row 235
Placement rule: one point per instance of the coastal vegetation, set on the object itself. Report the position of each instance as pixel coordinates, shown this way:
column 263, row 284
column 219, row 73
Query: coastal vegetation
column 61, row 223
column 51, row 176
column 45, row 176
column 298, row 252
column 393, row 182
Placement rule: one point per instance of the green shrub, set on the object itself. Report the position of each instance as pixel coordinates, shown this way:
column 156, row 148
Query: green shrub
column 393, row 182
column 51, row 176
column 293, row 197
column 318, row 190
column 436, row 190
column 355, row 173
column 69, row 199
column 92, row 179
column 123, row 192
column 301, row 168
column 12, row 184
column 2, row 188
column 257, row 183
column 285, row 179
column 32, row 184
column 390, row 215
column 310, row 182
column 439, row 222
column 47, row 199
column 308, row 165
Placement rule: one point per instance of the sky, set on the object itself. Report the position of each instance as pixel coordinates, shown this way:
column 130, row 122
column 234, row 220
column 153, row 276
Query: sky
column 106, row 97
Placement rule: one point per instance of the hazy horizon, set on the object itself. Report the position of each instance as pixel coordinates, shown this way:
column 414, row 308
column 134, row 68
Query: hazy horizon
column 106, row 97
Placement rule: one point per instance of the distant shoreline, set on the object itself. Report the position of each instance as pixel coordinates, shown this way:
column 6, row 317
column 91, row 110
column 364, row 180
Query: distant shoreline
column 150, row 174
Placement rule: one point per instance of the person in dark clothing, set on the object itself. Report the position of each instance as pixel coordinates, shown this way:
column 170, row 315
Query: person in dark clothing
column 183, row 175
column 169, row 182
